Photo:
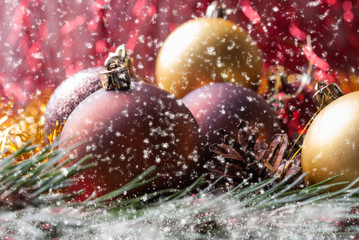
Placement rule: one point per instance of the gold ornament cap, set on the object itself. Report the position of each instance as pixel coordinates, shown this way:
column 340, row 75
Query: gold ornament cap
column 326, row 94
column 116, row 74
column 216, row 10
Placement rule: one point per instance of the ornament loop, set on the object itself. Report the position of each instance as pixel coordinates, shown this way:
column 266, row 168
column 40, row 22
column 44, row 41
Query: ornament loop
column 326, row 94
column 216, row 10
column 116, row 74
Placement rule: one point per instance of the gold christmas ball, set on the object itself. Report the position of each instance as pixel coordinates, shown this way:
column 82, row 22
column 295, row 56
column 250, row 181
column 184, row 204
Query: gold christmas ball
column 331, row 145
column 207, row 50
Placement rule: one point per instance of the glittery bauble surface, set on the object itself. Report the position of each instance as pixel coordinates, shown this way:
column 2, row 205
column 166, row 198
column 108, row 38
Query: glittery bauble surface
column 207, row 50
column 222, row 105
column 68, row 95
column 331, row 145
column 129, row 131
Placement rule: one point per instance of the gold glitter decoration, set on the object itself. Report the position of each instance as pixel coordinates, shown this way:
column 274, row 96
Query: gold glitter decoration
column 19, row 125
column 271, row 81
column 56, row 132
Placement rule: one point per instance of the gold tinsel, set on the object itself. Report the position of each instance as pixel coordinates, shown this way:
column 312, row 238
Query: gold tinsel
column 19, row 125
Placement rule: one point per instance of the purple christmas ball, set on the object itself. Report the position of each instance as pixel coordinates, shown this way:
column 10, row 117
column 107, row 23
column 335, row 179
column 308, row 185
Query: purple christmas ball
column 222, row 105
column 68, row 95
column 129, row 131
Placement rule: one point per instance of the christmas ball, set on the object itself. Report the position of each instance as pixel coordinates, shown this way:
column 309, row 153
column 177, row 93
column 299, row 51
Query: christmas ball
column 129, row 131
column 222, row 105
column 68, row 95
column 330, row 146
column 207, row 50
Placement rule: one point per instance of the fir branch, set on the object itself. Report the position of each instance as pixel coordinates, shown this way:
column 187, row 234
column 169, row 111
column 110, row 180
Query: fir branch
column 269, row 209
column 255, row 211
column 24, row 183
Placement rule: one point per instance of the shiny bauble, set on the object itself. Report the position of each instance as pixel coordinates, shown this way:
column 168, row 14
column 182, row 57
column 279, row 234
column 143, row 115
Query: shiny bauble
column 129, row 131
column 68, row 95
column 204, row 51
column 223, row 105
column 331, row 145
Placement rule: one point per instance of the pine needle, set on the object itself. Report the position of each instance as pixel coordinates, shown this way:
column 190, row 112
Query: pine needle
column 34, row 206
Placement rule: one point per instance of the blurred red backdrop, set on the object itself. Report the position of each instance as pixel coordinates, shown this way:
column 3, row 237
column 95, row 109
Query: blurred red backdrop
column 44, row 42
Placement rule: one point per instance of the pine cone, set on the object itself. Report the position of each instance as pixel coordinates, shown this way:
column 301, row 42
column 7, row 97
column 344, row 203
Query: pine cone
column 249, row 159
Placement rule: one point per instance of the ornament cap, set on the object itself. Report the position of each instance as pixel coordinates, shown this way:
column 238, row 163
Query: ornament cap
column 326, row 94
column 216, row 10
column 116, row 74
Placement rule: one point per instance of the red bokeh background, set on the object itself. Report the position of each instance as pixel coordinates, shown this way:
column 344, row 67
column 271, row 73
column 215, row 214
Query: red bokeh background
column 44, row 42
